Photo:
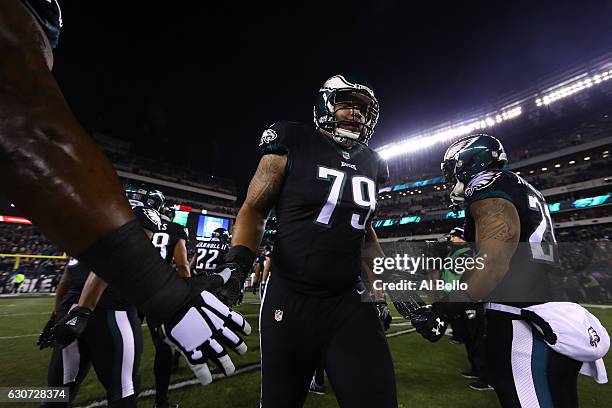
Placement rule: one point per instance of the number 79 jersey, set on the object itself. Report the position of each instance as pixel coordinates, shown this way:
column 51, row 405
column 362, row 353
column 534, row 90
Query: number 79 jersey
column 327, row 200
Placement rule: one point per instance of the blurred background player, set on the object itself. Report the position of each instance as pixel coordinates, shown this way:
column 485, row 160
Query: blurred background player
column 171, row 239
column 210, row 252
column 322, row 181
column 109, row 338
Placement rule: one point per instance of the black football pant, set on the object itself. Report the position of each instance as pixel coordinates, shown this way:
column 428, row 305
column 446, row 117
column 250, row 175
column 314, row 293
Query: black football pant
column 162, row 367
column 475, row 340
column 297, row 330
column 524, row 371
column 112, row 343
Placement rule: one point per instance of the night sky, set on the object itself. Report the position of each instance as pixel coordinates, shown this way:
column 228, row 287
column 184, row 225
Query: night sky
column 199, row 85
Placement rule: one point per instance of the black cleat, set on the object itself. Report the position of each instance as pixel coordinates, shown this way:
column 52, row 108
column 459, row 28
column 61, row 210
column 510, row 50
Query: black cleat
column 471, row 375
column 480, row 386
column 316, row 388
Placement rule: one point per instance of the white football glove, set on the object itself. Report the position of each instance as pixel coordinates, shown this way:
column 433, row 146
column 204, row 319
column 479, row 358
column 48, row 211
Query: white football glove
column 202, row 331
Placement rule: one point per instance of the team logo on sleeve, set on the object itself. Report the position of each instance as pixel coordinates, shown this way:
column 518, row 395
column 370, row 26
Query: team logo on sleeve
column 481, row 181
column 153, row 216
column 268, row 136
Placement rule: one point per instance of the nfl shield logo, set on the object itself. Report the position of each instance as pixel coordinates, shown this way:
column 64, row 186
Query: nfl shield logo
column 346, row 155
column 278, row 315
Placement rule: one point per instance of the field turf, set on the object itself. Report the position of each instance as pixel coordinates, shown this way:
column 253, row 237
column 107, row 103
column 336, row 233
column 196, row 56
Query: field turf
column 427, row 374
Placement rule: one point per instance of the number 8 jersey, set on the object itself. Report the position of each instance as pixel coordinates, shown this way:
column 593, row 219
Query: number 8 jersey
column 327, row 200
column 527, row 280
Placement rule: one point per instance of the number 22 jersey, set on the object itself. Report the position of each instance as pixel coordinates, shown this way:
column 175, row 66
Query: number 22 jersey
column 325, row 204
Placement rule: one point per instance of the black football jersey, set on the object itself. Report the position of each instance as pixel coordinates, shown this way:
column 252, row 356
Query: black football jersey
column 327, row 200
column 528, row 279
column 166, row 237
column 77, row 275
column 210, row 253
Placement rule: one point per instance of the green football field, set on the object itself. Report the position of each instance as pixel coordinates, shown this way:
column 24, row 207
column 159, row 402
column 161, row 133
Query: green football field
column 427, row 374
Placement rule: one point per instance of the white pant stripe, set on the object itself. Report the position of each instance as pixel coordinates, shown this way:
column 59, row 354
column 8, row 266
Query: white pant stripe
column 127, row 364
column 71, row 359
column 522, row 343
column 263, row 298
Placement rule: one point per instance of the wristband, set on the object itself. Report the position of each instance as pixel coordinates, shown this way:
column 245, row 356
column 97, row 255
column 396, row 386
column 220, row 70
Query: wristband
column 241, row 255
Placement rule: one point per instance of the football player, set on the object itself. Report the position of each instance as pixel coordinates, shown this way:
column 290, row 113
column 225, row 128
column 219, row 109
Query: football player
column 322, row 180
column 56, row 175
column 210, row 252
column 171, row 239
column 509, row 223
column 109, row 338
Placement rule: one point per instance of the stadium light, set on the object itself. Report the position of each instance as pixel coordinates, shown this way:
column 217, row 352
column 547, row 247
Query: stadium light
column 563, row 91
column 572, row 162
column 416, row 143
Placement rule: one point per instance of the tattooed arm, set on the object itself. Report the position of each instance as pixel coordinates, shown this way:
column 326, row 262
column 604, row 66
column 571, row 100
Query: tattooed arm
column 497, row 236
column 263, row 192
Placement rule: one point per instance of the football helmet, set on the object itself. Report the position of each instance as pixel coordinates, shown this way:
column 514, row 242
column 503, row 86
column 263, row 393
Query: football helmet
column 222, row 235
column 468, row 157
column 341, row 92
column 166, row 213
column 142, row 194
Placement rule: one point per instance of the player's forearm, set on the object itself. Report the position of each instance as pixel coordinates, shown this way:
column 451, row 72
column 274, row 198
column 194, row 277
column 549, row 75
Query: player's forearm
column 249, row 228
column 183, row 270
column 92, row 291
column 180, row 259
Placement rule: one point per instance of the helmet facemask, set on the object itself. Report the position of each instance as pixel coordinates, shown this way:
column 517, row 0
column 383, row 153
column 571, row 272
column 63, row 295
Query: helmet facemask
column 449, row 169
column 339, row 94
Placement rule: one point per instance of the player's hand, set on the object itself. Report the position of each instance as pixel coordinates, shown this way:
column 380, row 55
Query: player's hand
column 44, row 339
column 430, row 323
column 71, row 326
column 202, row 330
column 383, row 314
column 234, row 275
column 237, row 264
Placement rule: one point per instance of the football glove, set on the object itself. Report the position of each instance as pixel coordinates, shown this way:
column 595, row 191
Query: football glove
column 44, row 339
column 429, row 323
column 71, row 326
column 234, row 270
column 432, row 321
column 383, row 314
column 202, row 330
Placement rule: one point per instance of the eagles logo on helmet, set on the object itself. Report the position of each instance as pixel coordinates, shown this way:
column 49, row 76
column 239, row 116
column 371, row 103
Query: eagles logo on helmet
column 467, row 158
